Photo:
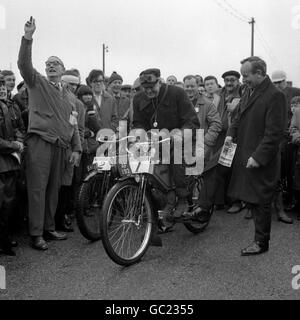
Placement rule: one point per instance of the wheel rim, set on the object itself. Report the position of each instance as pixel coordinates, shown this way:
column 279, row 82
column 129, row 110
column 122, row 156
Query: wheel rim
column 128, row 227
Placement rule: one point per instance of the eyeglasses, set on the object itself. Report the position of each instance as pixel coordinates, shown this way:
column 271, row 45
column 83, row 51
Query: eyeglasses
column 98, row 81
column 148, row 78
column 52, row 63
column 278, row 82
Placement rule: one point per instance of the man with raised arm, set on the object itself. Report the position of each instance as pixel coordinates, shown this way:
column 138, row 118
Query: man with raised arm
column 53, row 140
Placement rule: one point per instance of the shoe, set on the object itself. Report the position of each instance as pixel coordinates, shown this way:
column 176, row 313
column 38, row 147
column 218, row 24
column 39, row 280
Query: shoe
column 39, row 243
column 282, row 217
column 248, row 215
column 156, row 241
column 55, row 236
column 236, row 208
column 255, row 248
column 198, row 215
column 65, row 228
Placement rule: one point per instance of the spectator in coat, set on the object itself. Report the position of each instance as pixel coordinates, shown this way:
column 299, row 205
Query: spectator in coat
column 104, row 104
column 288, row 149
column 53, row 140
column 230, row 96
column 114, row 88
column 11, row 147
column 295, row 134
column 207, row 114
column 67, row 197
column 71, row 79
column 258, row 131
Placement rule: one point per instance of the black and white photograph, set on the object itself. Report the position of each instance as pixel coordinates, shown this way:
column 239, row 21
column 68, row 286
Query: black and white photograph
column 150, row 153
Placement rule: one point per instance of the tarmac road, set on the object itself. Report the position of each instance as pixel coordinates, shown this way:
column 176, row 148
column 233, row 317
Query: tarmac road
column 207, row 266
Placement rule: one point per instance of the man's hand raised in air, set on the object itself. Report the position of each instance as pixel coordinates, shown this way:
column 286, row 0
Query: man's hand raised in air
column 29, row 28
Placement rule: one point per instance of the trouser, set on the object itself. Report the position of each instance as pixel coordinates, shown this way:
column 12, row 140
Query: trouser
column 288, row 159
column 262, row 217
column 7, row 198
column 68, row 194
column 45, row 165
column 212, row 180
column 183, row 182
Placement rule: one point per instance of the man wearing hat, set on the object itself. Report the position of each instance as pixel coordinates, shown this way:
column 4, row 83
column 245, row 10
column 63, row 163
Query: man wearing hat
column 53, row 140
column 72, row 80
column 230, row 95
column 114, row 88
column 126, row 90
column 279, row 79
column 159, row 106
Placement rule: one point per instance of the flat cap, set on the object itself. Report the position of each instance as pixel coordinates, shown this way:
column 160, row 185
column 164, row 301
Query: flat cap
column 231, row 73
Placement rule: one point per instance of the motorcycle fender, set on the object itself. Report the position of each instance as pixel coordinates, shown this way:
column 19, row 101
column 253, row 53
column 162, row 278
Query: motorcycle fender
column 125, row 178
column 90, row 175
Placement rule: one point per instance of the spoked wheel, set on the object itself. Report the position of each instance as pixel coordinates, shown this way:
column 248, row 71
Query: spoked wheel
column 126, row 223
column 195, row 226
column 89, row 204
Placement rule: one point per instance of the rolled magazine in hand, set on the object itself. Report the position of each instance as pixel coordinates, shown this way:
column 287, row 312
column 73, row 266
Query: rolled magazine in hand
column 227, row 154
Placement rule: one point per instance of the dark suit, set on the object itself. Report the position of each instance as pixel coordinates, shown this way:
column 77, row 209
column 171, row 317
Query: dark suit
column 258, row 131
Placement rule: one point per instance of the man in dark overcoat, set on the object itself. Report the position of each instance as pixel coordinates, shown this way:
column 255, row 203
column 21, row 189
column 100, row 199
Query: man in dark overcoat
column 258, row 131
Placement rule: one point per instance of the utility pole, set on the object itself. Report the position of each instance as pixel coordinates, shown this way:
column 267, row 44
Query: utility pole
column 252, row 22
column 104, row 50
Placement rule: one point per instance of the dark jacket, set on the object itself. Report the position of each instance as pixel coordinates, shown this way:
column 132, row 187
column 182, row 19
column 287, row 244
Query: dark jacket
column 175, row 112
column 258, row 129
column 209, row 118
column 11, row 129
column 123, row 105
column 92, row 126
column 226, row 117
column 49, row 108
column 107, row 112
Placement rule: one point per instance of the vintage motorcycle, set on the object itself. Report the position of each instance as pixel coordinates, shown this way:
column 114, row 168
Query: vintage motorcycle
column 134, row 208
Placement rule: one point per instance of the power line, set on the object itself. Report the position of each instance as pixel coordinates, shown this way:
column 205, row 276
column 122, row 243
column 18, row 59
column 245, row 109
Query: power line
column 241, row 15
column 230, row 10
column 267, row 47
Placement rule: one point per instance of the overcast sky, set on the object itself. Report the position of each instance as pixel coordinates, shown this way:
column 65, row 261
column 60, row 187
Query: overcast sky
column 178, row 36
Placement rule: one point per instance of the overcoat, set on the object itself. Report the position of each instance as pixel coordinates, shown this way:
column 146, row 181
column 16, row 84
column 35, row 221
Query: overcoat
column 258, row 130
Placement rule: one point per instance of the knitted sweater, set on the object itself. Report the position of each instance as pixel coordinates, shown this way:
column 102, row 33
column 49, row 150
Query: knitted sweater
column 49, row 108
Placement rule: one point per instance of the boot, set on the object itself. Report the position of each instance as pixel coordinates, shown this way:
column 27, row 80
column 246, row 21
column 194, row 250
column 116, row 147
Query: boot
column 281, row 215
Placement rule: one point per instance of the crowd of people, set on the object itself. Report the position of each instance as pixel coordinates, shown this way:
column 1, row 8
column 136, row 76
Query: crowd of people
column 48, row 139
